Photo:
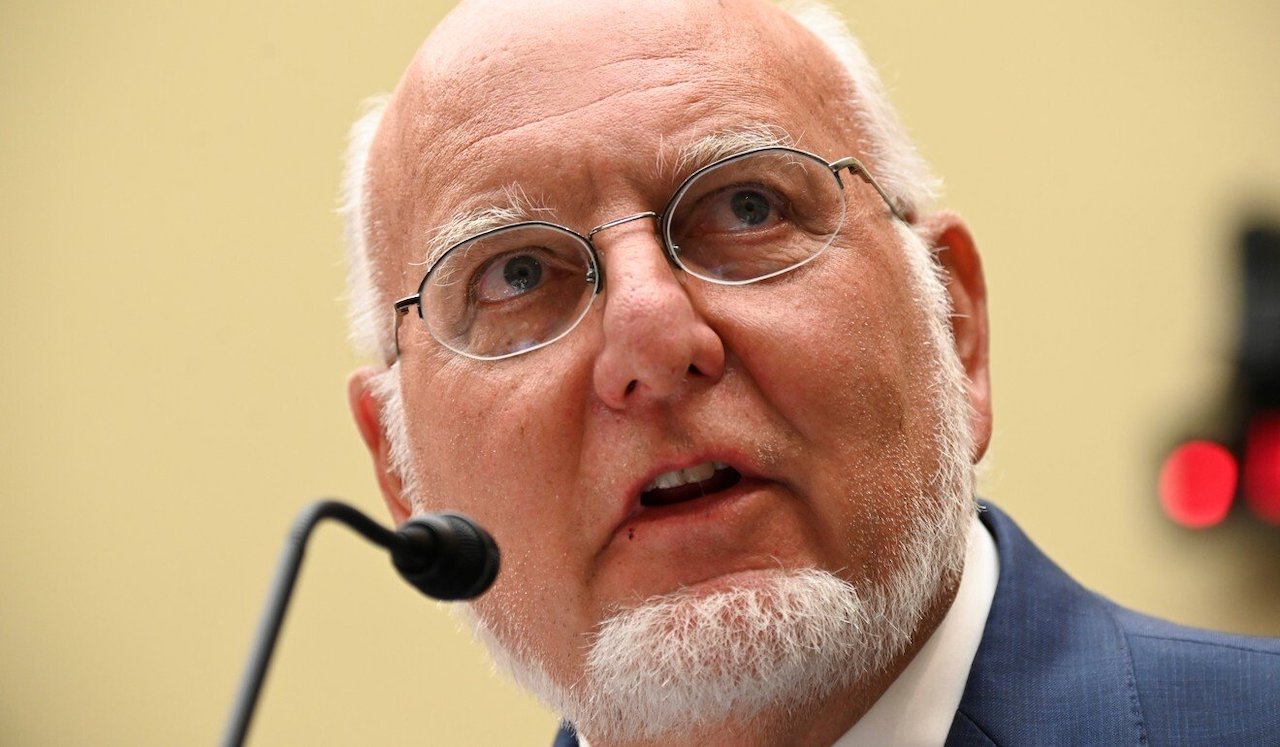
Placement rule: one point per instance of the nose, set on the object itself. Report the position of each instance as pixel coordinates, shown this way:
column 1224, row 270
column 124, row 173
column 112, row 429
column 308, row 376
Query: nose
column 654, row 338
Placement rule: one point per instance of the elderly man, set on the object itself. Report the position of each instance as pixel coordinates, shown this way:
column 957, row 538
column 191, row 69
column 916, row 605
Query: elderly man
column 659, row 300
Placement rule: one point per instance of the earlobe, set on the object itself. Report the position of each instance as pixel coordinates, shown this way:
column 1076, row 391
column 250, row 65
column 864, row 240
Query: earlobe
column 956, row 252
column 367, row 412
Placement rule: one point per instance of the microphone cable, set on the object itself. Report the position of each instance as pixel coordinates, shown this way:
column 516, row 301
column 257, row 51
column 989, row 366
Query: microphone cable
column 445, row 556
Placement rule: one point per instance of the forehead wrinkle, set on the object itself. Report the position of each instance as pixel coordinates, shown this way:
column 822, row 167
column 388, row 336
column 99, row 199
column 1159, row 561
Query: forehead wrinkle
column 484, row 97
column 516, row 205
column 578, row 110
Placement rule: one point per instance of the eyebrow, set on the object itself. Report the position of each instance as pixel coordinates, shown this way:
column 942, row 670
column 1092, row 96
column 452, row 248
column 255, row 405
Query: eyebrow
column 516, row 206
column 711, row 148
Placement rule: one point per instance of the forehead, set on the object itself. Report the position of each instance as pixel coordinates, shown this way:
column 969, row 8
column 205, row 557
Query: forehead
column 578, row 104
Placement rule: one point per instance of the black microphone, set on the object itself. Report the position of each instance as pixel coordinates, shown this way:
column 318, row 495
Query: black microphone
column 445, row 556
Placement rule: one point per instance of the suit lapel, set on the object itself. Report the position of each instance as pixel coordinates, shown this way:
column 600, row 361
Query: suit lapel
column 1053, row 666
column 565, row 736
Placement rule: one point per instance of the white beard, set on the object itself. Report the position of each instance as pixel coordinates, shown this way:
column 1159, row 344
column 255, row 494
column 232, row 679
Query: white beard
column 685, row 660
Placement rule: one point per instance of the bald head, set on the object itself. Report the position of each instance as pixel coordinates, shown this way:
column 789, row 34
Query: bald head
column 494, row 68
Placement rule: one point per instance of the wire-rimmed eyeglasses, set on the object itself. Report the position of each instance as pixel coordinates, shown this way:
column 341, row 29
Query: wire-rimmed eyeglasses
column 746, row 218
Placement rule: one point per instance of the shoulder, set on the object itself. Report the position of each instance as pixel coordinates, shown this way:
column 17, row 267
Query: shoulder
column 1060, row 663
column 1197, row 684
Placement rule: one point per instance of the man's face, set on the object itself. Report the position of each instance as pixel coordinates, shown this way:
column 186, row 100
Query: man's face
column 813, row 387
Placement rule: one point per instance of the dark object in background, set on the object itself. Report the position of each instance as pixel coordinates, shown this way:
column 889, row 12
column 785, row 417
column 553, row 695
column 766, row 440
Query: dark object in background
column 1201, row 478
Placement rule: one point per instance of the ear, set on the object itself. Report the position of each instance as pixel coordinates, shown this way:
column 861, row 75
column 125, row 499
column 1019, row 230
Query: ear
column 955, row 251
column 367, row 411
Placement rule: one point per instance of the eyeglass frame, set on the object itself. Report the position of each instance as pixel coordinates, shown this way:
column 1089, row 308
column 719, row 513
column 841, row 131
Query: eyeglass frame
column 595, row 273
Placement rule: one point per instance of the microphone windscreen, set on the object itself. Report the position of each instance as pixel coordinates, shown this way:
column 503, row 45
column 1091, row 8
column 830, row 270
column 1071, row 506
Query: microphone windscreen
column 446, row 556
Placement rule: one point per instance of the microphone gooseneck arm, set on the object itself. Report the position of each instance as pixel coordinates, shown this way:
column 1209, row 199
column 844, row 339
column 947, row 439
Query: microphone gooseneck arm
column 445, row 556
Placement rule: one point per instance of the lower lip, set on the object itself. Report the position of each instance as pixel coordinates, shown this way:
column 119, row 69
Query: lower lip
column 717, row 506
column 712, row 542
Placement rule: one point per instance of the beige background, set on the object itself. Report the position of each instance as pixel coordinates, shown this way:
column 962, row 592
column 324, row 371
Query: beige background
column 172, row 390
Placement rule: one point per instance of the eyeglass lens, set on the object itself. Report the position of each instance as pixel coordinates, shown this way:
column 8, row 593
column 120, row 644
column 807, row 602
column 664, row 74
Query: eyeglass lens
column 749, row 218
column 740, row 220
column 509, row 291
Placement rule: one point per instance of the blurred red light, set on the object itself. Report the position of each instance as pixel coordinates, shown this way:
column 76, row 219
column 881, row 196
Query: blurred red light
column 1197, row 484
column 1262, row 467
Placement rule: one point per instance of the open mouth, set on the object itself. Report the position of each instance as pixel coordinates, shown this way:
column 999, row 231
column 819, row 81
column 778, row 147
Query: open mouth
column 678, row 486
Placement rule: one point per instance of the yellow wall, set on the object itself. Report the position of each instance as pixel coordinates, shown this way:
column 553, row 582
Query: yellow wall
column 174, row 350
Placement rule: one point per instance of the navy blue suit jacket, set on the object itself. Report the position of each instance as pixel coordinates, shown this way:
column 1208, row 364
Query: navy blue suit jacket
column 1060, row 665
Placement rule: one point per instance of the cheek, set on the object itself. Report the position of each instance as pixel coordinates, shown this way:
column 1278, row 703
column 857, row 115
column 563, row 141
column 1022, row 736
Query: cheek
column 530, row 610
column 840, row 354
column 498, row 445
column 475, row 433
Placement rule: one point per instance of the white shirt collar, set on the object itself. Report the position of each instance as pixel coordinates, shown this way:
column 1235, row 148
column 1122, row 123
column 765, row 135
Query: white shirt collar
column 917, row 709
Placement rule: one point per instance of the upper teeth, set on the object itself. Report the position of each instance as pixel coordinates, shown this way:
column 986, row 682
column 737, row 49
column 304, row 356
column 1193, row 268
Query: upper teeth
column 676, row 478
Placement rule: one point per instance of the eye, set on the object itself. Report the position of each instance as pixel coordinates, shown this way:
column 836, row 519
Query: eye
column 508, row 276
column 750, row 207
column 736, row 209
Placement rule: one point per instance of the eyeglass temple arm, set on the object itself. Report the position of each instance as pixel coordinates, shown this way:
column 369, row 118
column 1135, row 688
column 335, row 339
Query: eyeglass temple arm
column 855, row 166
column 402, row 308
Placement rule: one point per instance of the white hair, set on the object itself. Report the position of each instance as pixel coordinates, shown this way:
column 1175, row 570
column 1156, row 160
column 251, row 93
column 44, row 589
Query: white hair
column 889, row 152
column 887, row 148
column 367, row 311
